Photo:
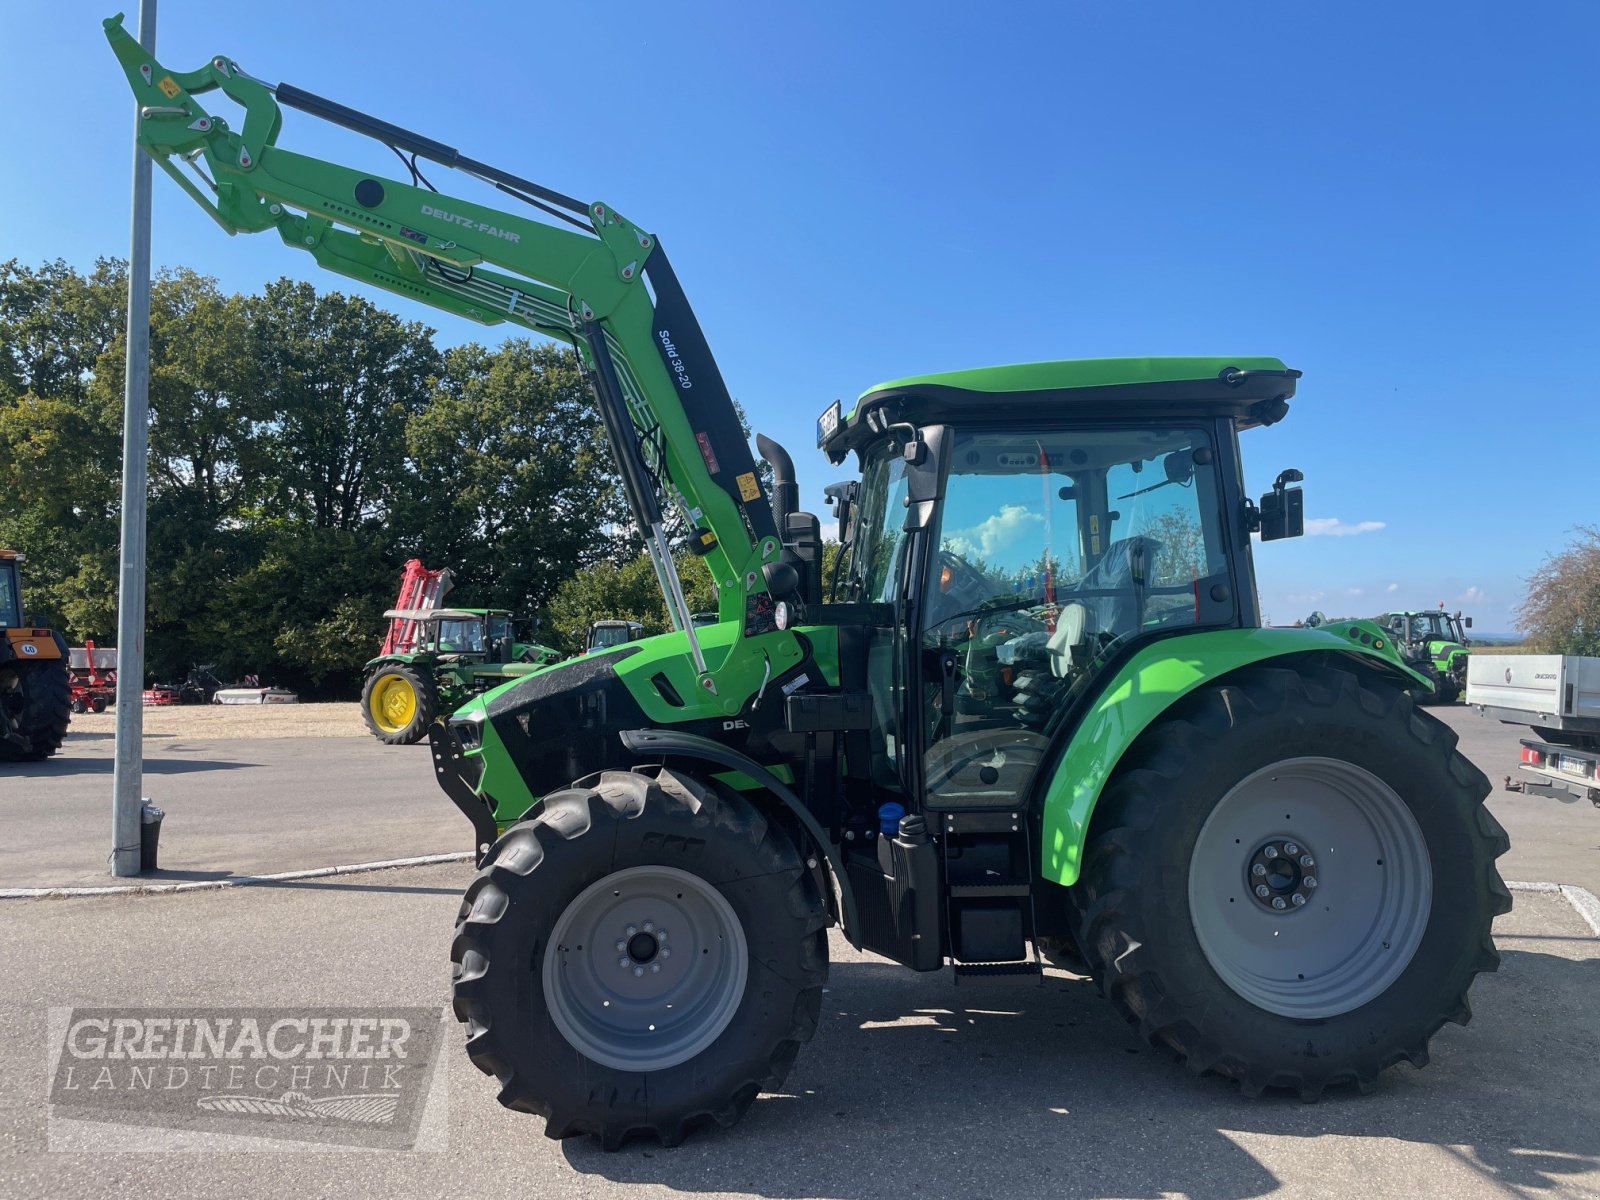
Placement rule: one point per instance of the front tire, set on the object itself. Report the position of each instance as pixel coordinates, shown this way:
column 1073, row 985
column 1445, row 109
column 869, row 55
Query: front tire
column 561, row 934
column 1366, row 937
column 398, row 703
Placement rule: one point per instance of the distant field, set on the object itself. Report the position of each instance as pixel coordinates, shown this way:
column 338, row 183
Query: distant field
column 237, row 721
column 1501, row 648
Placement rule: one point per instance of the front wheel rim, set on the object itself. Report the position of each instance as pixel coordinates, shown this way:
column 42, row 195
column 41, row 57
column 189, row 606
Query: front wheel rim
column 1310, row 952
column 394, row 703
column 645, row 968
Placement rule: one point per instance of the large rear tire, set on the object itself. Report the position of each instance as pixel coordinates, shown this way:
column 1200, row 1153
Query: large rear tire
column 1291, row 880
column 642, row 957
column 398, row 703
column 38, row 700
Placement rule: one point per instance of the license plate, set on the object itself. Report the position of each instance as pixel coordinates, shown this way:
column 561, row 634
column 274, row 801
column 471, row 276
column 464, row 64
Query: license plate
column 1574, row 766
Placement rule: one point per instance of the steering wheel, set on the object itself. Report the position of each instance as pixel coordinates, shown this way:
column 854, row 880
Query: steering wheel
column 962, row 583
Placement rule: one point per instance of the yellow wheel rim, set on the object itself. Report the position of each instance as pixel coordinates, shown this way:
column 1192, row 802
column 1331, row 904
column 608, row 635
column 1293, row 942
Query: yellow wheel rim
column 393, row 703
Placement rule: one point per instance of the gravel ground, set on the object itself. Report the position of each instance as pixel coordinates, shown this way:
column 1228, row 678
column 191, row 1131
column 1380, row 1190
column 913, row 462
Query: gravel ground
column 235, row 721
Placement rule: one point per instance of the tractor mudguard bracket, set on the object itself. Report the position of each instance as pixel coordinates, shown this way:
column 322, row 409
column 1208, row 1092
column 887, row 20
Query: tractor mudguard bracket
column 449, row 765
column 666, row 743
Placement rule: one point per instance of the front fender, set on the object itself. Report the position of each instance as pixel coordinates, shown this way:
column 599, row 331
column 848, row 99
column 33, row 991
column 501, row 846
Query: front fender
column 1145, row 686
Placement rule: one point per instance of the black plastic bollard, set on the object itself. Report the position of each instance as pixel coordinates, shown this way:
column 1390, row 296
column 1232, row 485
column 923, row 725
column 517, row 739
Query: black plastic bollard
column 149, row 835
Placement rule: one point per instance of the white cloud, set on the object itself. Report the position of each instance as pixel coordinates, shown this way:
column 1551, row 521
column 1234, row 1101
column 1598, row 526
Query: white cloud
column 988, row 537
column 830, row 531
column 1333, row 527
column 1473, row 595
column 1354, row 591
column 1393, row 587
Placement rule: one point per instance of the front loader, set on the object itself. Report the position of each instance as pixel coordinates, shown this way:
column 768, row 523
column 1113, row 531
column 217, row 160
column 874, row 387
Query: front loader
column 1037, row 722
column 35, row 685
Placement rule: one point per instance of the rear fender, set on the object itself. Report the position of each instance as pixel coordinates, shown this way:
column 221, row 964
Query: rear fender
column 1150, row 682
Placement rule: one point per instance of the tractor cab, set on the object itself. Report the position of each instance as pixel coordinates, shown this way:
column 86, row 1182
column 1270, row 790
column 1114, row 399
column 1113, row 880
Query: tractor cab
column 603, row 635
column 10, row 591
column 1020, row 530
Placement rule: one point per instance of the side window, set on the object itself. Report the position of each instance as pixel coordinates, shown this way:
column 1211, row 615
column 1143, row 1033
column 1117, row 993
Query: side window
column 1055, row 546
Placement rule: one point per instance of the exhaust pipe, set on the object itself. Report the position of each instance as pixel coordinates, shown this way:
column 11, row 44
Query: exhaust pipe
column 785, row 491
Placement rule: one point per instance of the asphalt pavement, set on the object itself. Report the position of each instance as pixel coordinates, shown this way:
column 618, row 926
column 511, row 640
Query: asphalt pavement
column 912, row 1087
column 238, row 807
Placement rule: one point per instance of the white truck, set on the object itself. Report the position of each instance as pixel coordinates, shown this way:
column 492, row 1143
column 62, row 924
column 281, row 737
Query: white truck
column 1558, row 697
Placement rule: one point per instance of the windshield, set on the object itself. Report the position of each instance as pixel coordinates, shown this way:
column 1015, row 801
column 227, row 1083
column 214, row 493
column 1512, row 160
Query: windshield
column 605, row 636
column 459, row 637
column 10, row 602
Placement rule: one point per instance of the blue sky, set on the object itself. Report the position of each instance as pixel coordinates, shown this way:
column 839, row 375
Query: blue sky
column 1399, row 200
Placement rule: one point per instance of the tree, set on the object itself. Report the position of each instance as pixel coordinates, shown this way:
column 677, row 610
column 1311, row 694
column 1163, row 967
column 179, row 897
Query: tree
column 629, row 592
column 337, row 380
column 1561, row 611
column 513, row 488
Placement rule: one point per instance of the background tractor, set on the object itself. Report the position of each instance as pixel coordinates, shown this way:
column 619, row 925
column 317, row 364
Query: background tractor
column 1041, row 720
column 434, row 659
column 1434, row 644
column 35, row 688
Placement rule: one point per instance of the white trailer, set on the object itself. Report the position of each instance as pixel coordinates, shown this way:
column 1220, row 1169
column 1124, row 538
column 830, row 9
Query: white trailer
column 1558, row 697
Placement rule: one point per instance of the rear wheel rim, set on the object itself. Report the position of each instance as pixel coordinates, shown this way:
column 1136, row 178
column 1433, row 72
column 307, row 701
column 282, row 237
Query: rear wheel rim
column 1332, row 946
column 645, row 968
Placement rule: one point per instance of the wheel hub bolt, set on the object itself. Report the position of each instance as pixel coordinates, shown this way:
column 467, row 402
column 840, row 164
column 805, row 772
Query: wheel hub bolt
column 624, row 961
column 621, row 946
column 1278, row 875
column 655, row 968
column 638, row 972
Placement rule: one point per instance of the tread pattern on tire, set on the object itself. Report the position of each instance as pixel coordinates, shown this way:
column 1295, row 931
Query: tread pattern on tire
column 427, row 693
column 47, row 713
column 1131, row 808
column 598, row 806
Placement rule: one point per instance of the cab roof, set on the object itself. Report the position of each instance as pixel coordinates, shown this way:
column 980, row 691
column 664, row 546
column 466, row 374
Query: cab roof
column 1250, row 390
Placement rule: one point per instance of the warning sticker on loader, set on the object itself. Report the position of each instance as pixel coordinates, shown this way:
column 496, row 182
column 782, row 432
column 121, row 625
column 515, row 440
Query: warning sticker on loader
column 749, row 489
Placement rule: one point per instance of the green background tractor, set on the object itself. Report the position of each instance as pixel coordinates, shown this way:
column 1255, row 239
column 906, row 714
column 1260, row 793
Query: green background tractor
column 1434, row 644
column 35, row 685
column 1041, row 721
column 453, row 655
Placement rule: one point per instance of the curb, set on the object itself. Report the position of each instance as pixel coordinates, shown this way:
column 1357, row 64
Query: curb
column 1583, row 901
column 212, row 885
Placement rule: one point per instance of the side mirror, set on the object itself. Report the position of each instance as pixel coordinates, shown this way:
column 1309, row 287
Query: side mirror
column 841, row 499
column 1469, row 622
column 1283, row 509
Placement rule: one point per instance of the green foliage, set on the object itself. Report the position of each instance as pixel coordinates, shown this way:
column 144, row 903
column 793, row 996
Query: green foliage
column 626, row 592
column 302, row 446
column 513, row 485
column 1561, row 611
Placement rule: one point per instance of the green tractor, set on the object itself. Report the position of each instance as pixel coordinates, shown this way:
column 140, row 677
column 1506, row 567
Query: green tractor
column 435, row 659
column 1434, row 644
column 1038, row 723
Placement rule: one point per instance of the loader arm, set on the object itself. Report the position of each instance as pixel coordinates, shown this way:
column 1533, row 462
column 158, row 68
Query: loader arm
column 670, row 421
